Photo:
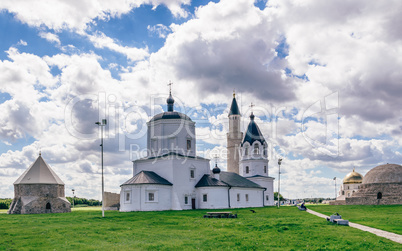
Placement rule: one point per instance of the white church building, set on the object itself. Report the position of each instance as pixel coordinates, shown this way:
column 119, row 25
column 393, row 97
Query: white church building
column 173, row 177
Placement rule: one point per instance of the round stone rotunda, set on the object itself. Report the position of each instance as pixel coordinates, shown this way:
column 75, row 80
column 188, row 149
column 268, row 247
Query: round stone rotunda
column 382, row 185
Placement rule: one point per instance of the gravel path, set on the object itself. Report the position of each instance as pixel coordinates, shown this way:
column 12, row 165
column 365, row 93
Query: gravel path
column 381, row 233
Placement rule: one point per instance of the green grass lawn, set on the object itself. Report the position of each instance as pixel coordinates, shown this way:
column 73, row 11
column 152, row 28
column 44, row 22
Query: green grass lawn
column 270, row 228
column 385, row 217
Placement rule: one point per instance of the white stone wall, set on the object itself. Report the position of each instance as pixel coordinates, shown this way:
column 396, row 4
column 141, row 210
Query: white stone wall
column 254, row 160
column 347, row 190
column 268, row 183
column 171, row 135
column 217, row 197
column 177, row 170
column 138, row 199
column 255, row 197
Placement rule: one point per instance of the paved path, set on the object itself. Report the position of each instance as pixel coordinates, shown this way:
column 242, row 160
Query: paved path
column 381, row 233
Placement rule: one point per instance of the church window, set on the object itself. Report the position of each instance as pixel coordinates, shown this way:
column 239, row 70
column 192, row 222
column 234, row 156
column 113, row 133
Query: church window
column 205, row 197
column 266, row 197
column 238, row 197
column 186, row 200
column 189, row 144
column 379, row 195
column 256, row 149
column 265, row 150
column 246, row 197
column 265, row 169
column 247, row 169
column 192, row 173
column 151, row 197
column 246, row 150
column 127, row 196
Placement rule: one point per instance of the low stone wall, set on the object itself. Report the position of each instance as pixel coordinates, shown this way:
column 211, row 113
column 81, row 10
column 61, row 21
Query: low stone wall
column 337, row 202
column 111, row 201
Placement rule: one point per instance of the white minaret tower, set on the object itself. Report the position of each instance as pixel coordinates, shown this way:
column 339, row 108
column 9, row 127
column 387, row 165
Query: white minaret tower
column 234, row 137
column 254, row 160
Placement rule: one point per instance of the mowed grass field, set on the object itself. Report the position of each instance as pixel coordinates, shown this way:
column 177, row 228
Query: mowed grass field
column 384, row 217
column 268, row 229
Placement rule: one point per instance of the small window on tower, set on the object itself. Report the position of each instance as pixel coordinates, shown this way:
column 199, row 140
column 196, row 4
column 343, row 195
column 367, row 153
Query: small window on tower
column 188, row 144
column 192, row 173
column 246, row 151
column 247, row 169
column 265, row 150
column 256, row 149
column 265, row 169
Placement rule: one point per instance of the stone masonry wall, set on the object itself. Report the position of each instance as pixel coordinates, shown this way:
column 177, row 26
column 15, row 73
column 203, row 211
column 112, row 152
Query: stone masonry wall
column 367, row 195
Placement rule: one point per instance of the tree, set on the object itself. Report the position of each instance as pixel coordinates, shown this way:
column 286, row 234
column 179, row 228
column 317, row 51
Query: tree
column 276, row 196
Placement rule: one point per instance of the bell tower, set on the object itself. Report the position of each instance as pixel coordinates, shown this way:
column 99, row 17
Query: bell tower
column 234, row 137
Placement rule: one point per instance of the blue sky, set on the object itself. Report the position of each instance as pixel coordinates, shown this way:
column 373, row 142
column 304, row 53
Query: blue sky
column 324, row 77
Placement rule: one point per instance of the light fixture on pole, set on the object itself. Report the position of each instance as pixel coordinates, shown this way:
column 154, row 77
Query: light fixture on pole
column 73, row 196
column 335, row 187
column 279, row 180
column 104, row 122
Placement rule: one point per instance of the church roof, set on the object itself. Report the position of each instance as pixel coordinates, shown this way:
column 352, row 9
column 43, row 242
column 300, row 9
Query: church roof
column 170, row 115
column 234, row 109
column 39, row 173
column 208, row 181
column 235, row 180
column 147, row 177
column 163, row 156
column 253, row 132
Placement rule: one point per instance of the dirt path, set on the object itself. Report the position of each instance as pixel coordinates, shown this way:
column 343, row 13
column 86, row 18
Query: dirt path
column 381, row 233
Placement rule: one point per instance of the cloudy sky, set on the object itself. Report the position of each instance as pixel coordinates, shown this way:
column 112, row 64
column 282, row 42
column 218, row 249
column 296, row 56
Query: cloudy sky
column 325, row 78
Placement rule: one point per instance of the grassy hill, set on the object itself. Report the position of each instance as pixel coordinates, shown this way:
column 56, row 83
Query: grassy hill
column 269, row 228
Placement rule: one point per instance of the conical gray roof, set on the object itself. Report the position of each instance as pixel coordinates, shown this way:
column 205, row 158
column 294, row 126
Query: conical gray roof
column 234, row 108
column 39, row 173
column 253, row 132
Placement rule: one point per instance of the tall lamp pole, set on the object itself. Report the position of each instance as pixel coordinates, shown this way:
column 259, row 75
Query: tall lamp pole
column 104, row 122
column 279, row 180
column 73, row 196
column 335, row 187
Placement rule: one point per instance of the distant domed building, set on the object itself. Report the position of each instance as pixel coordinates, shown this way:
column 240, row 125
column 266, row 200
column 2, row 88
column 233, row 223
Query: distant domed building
column 382, row 185
column 39, row 190
column 350, row 184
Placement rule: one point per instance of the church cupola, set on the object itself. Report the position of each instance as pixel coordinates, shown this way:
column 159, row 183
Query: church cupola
column 216, row 171
column 253, row 151
column 170, row 102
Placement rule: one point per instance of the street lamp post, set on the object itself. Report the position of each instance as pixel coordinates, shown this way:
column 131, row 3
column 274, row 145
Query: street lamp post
column 73, row 196
column 335, row 187
column 279, row 180
column 104, row 122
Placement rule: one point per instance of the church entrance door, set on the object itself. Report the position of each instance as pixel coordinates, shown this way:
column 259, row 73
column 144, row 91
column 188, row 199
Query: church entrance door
column 193, row 203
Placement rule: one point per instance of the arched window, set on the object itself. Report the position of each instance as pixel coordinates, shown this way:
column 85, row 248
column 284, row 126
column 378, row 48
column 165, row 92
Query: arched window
column 127, row 196
column 246, row 150
column 247, row 169
column 265, row 150
column 379, row 195
column 265, row 169
column 256, row 149
column 48, row 206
